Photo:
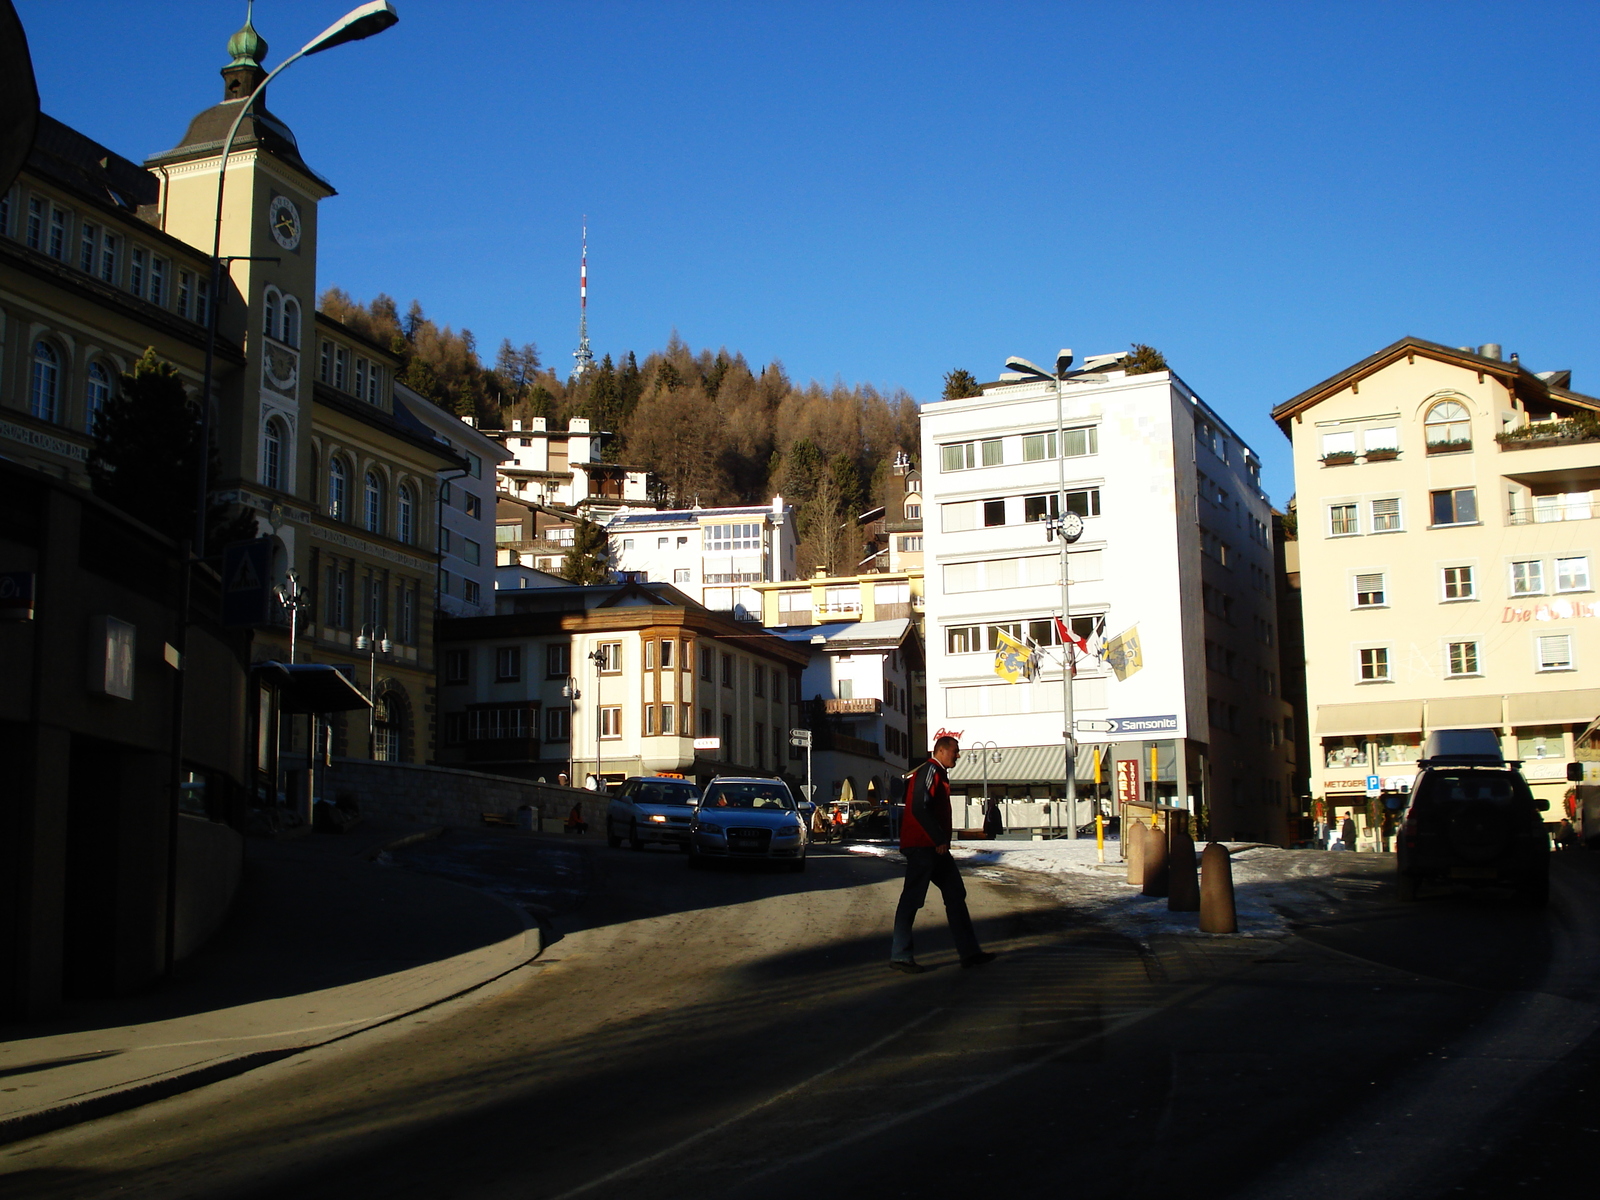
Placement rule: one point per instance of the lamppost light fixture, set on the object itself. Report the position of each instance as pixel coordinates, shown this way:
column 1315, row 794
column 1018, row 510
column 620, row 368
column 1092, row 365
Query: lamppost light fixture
column 358, row 23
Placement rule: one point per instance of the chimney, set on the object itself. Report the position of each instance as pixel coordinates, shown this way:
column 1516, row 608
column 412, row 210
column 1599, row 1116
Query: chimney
column 537, row 425
column 777, row 504
column 1489, row 350
column 516, row 425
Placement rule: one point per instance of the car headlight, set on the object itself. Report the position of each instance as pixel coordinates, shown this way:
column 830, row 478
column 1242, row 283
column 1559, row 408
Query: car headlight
column 793, row 831
column 709, row 830
column 658, row 819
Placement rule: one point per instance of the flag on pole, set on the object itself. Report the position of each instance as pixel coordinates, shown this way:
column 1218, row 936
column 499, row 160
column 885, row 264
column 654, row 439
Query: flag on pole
column 1124, row 654
column 1013, row 661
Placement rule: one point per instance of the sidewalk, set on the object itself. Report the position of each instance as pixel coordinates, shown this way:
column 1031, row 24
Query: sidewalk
column 323, row 943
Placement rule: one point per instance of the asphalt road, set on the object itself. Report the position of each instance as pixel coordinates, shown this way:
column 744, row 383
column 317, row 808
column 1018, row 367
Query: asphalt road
column 736, row 1033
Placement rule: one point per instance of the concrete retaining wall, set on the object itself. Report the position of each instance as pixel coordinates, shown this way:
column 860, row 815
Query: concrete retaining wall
column 210, row 863
column 422, row 795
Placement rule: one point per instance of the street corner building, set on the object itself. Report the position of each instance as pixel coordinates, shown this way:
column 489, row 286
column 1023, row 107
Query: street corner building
column 1173, row 625
column 102, row 258
column 1446, row 554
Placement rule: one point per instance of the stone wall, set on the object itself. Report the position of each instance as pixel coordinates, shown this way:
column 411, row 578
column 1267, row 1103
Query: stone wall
column 210, row 863
column 421, row 795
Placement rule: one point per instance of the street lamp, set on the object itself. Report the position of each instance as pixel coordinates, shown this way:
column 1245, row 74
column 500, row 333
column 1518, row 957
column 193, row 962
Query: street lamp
column 360, row 22
column 293, row 597
column 990, row 751
column 374, row 639
column 571, row 692
column 598, row 657
column 1069, row 527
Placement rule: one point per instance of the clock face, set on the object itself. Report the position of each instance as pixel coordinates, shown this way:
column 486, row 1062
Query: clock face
column 1072, row 527
column 283, row 218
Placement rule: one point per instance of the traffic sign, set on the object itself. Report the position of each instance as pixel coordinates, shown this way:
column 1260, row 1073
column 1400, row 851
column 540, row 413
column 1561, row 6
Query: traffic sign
column 1374, row 787
column 799, row 737
column 1094, row 726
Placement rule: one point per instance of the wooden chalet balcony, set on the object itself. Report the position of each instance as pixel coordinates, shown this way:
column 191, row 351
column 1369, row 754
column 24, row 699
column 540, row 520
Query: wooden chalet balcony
column 869, row 706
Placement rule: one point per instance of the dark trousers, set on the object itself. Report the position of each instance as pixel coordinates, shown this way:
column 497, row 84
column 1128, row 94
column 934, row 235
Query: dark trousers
column 925, row 866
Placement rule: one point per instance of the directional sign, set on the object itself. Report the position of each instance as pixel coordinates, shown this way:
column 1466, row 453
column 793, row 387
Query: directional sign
column 714, row 743
column 1094, row 726
column 799, row 737
column 1167, row 723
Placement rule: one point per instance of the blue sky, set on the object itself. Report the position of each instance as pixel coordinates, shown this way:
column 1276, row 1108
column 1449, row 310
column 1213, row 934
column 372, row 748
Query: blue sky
column 883, row 191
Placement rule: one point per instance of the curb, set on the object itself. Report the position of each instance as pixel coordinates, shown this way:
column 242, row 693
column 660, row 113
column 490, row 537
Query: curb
column 409, row 839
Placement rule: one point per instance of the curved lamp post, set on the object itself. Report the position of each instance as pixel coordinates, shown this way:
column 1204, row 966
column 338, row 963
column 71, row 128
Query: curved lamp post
column 374, row 639
column 991, row 753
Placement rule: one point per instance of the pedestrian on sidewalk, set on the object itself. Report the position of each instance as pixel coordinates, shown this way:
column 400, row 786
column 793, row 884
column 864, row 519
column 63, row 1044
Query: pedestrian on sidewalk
column 925, row 831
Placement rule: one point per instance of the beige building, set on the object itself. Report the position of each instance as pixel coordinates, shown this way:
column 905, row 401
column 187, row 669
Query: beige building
column 1447, row 550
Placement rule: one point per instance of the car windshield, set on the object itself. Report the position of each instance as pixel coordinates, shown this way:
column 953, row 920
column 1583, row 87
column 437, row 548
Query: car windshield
column 748, row 795
column 1461, row 787
column 664, row 793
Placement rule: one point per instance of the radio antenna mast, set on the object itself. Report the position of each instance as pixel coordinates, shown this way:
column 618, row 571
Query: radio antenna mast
column 584, row 360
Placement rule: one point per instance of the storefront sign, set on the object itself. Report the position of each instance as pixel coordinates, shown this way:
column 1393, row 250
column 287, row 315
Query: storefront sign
column 1357, row 783
column 1560, row 610
column 1162, row 724
column 1129, row 790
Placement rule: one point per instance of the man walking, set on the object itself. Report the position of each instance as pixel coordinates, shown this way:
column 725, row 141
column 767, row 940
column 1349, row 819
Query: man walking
column 925, row 841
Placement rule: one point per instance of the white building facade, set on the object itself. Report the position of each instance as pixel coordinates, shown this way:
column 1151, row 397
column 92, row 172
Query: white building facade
column 1176, row 550
column 713, row 555
column 564, row 467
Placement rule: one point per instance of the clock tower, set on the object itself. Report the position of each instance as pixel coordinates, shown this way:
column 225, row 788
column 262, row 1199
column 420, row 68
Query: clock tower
column 267, row 298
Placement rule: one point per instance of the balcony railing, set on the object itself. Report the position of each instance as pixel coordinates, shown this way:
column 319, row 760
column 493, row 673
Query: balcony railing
column 1572, row 510
column 868, row 705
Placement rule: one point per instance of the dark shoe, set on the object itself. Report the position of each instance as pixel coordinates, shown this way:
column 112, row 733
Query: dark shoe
column 978, row 959
column 910, row 968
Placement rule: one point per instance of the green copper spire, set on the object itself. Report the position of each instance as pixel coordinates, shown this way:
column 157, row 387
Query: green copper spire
column 247, row 46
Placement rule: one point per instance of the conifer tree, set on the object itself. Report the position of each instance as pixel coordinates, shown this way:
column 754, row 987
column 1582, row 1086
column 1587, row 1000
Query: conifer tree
column 960, row 385
column 589, row 559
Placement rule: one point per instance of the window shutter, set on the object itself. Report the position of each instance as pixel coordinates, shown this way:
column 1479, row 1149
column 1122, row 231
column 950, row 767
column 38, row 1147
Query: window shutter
column 1555, row 650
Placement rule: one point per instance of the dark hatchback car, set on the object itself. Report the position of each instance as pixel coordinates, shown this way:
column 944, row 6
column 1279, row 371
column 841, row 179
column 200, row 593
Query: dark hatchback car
column 1473, row 820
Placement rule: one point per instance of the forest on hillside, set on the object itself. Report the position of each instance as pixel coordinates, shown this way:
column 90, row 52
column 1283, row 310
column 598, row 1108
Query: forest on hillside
column 709, row 428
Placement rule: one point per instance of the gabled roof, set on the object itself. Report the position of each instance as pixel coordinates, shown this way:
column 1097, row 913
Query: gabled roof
column 1517, row 378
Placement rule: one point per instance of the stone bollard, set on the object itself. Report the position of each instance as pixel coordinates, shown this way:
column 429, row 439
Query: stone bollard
column 1135, row 834
column 1217, row 911
column 1183, row 881
column 1155, row 863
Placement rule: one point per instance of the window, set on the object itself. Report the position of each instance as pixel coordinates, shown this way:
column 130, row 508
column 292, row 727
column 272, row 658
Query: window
column 1527, row 578
column 663, row 543
column 185, row 294
column 961, row 639
column 361, row 378
column 341, row 368
column 338, row 482
column 159, row 269
column 272, row 455
column 96, row 391
column 338, row 606
column 108, row 257
column 471, row 551
column 86, row 248
column 666, row 655
column 5, row 213
column 372, row 504
column 758, row 683
column 1448, row 427
column 611, row 722
column 35, row 234
column 708, row 661
column 1572, row 574
column 745, row 536
column 405, row 514
column 1040, row 508
column 471, row 591
column 963, row 456
column 1338, row 443
column 649, row 656
column 1386, row 515
column 1374, row 662
column 1555, row 652
column 557, row 724
column 57, row 246
column 269, row 312
column 473, row 505
column 557, row 660
column 1076, row 443
column 508, row 664
column 911, row 544
column 44, row 394
column 610, row 660
column 727, row 736
column 680, row 575
column 727, row 670
column 843, row 599
column 758, row 743
column 1458, row 506
column 1085, row 502
column 407, row 605
column 958, row 517
column 649, row 720
column 913, row 512
column 1342, row 520
column 1387, row 438
column 291, row 321
column 994, row 513
column 136, row 271
column 1369, row 591
column 202, row 298
column 1462, row 658
column 325, row 363
column 1458, row 583
column 500, row 723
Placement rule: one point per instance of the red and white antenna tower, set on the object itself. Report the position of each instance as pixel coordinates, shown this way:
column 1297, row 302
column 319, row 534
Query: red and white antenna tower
column 584, row 359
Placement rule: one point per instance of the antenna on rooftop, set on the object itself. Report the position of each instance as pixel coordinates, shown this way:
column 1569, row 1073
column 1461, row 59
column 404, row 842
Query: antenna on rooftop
column 584, row 359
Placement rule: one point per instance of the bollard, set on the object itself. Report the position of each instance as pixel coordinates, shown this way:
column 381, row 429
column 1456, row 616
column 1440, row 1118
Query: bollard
column 528, row 817
column 1183, row 881
column 1217, row 912
column 1135, row 833
column 1155, row 863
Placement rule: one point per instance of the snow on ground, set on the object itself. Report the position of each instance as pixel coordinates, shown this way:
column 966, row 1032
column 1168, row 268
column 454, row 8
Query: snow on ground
column 1265, row 879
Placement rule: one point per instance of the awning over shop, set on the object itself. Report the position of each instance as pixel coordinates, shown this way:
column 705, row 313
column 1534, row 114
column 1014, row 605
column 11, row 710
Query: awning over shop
column 1388, row 716
column 311, row 687
column 1465, row 712
column 1028, row 764
column 1580, row 705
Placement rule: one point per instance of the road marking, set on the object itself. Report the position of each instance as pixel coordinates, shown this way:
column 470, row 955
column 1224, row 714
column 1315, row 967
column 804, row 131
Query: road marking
column 646, row 1161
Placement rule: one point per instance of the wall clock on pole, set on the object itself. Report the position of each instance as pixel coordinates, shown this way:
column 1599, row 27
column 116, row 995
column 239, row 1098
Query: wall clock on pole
column 284, row 220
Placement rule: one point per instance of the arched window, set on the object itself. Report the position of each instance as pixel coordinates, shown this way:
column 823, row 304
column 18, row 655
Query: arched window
column 1448, row 426
column 373, row 502
column 388, row 726
column 95, row 394
column 338, row 494
column 45, row 394
column 272, row 454
column 406, row 514
column 269, row 320
column 291, row 321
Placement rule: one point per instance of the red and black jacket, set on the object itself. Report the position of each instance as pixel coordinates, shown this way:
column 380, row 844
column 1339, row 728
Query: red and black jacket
column 926, row 818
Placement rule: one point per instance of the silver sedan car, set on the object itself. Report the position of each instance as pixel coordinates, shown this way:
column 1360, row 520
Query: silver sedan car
column 748, row 818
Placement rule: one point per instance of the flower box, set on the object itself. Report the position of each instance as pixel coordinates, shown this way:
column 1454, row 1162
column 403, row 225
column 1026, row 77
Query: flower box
column 1337, row 460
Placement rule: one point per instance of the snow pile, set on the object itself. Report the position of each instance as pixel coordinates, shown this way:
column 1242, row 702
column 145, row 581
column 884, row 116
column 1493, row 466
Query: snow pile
column 1266, row 880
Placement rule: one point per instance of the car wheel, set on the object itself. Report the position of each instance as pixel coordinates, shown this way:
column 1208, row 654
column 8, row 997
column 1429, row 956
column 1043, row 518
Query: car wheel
column 1405, row 887
column 612, row 839
column 635, row 842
